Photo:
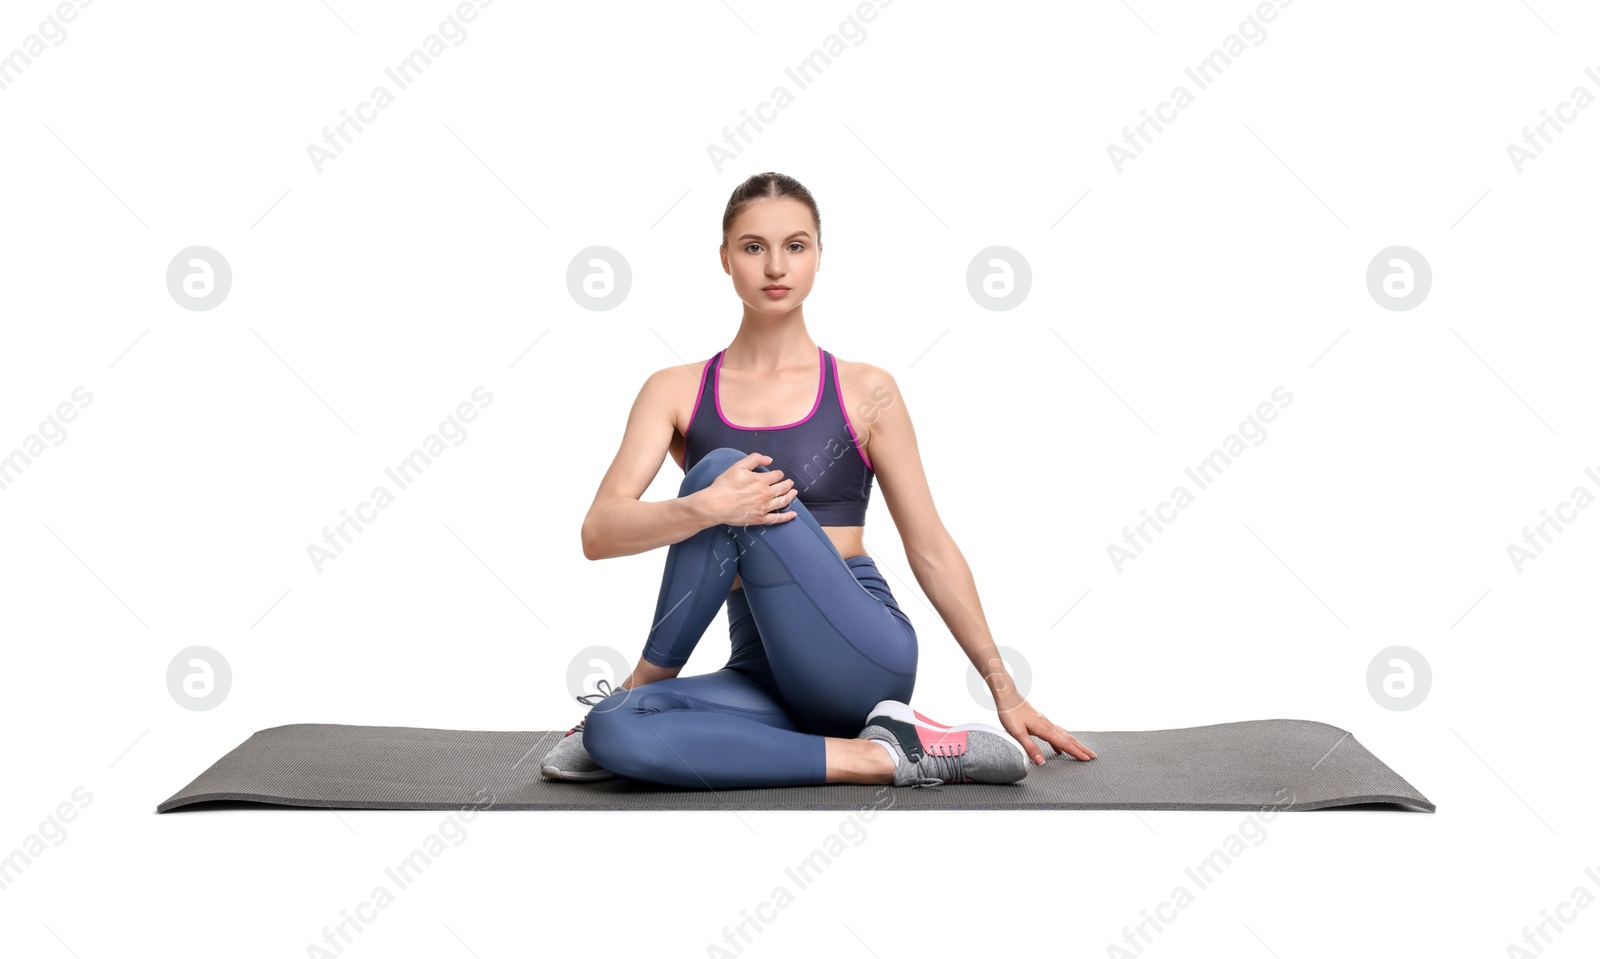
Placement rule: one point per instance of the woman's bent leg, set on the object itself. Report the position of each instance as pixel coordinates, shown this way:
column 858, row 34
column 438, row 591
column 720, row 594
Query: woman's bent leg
column 836, row 639
column 833, row 642
column 695, row 582
column 716, row 730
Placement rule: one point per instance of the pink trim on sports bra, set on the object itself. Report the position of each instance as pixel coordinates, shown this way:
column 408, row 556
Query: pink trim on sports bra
column 697, row 395
column 838, row 391
column 822, row 374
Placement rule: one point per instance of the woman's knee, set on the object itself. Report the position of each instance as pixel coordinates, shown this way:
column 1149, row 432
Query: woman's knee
column 709, row 467
column 627, row 747
column 609, row 738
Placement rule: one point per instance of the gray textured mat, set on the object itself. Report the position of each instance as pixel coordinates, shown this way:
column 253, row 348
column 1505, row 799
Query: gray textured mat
column 1293, row 764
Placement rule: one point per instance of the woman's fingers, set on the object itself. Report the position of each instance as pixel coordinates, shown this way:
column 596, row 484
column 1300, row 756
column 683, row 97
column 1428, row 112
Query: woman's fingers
column 1066, row 743
column 768, row 517
column 749, row 462
column 1020, row 734
column 1033, row 723
column 1069, row 744
column 778, row 502
column 1063, row 741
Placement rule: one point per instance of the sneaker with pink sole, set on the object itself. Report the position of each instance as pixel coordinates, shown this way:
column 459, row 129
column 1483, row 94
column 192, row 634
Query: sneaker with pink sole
column 919, row 719
column 930, row 754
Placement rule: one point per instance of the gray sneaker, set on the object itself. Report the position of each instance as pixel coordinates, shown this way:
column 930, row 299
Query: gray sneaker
column 569, row 760
column 931, row 755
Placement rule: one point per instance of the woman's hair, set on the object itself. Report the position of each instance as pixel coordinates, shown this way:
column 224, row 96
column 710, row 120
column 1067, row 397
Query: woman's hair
column 768, row 184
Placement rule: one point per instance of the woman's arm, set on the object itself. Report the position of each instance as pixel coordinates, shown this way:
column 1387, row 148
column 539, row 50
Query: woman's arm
column 618, row 523
column 938, row 564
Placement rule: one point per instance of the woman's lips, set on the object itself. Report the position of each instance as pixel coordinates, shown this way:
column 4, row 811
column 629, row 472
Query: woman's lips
column 775, row 291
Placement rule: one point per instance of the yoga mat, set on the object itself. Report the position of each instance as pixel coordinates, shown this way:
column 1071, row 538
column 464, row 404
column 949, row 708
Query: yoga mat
column 1293, row 764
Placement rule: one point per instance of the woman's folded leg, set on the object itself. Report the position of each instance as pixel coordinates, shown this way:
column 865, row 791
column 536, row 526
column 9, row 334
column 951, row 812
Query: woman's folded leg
column 715, row 730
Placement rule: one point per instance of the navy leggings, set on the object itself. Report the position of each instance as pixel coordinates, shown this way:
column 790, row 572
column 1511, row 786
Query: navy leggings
column 817, row 641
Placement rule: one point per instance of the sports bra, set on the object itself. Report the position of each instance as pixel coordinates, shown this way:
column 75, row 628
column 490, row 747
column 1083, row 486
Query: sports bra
column 820, row 452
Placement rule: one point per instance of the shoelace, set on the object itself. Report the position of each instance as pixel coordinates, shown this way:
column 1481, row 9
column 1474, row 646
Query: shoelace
column 590, row 699
column 945, row 759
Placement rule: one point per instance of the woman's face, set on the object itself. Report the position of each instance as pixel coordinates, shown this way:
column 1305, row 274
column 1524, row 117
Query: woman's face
column 772, row 243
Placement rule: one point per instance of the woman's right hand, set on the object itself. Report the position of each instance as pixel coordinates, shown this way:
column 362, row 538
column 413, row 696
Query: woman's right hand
column 742, row 496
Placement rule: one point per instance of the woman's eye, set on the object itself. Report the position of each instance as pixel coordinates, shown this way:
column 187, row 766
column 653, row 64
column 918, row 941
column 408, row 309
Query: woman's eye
column 751, row 246
column 802, row 246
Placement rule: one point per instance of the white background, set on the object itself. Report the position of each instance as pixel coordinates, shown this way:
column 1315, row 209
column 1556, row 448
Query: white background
column 369, row 299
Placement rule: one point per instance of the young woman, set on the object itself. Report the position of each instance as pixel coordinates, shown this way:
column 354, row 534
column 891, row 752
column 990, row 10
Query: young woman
column 769, row 520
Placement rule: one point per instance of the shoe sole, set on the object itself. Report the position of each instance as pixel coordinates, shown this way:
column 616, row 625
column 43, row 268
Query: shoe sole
column 553, row 772
column 894, row 709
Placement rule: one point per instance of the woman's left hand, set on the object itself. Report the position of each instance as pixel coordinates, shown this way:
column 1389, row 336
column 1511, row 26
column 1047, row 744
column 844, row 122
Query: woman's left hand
column 1021, row 720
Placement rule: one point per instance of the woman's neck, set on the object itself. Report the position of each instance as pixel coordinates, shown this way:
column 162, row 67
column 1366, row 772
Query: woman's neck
column 767, row 343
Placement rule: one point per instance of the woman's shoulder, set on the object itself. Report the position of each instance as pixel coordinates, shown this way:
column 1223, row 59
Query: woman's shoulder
column 673, row 391
column 670, row 378
column 862, row 377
